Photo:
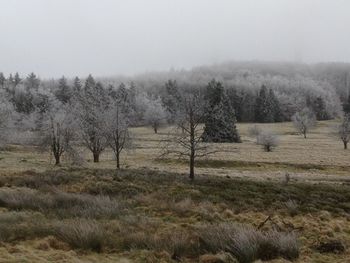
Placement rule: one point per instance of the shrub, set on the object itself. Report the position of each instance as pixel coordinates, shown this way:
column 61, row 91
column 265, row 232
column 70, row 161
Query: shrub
column 81, row 233
column 268, row 140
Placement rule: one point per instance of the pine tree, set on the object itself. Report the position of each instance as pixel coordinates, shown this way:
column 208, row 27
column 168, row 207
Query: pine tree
column 319, row 107
column 112, row 93
column 32, row 82
column 276, row 109
column 267, row 107
column 248, row 107
column 220, row 118
column 76, row 86
column 171, row 99
column 236, row 100
column 63, row 92
column 17, row 79
column 11, row 80
column 346, row 105
column 2, row 80
column 263, row 106
column 122, row 94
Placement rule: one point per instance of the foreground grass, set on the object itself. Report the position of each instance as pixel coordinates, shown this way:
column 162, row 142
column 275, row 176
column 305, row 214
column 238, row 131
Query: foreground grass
column 147, row 216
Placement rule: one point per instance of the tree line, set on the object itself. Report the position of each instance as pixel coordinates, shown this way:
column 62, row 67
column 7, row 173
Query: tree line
column 98, row 114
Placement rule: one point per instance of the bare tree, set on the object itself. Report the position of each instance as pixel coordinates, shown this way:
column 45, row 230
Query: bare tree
column 117, row 130
column 268, row 140
column 304, row 120
column 189, row 144
column 344, row 131
column 58, row 129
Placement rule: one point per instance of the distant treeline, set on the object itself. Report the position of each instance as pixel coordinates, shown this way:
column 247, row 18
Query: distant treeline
column 257, row 91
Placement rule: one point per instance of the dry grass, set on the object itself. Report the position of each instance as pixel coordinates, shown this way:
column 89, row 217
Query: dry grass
column 68, row 214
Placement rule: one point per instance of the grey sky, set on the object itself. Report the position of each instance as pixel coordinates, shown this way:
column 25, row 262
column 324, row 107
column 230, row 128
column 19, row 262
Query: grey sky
column 108, row 37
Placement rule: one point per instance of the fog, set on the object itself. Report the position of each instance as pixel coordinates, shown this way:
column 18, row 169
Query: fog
column 109, row 37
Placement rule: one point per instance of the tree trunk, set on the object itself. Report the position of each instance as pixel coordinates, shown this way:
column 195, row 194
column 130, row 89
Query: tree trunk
column 155, row 129
column 118, row 161
column 345, row 145
column 192, row 167
column 193, row 149
column 96, row 157
column 304, row 135
column 57, row 159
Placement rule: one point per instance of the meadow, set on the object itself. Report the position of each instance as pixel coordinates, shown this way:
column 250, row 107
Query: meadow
column 244, row 205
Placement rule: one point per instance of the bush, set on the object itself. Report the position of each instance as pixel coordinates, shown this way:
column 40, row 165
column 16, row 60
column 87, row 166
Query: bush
column 268, row 140
column 81, row 233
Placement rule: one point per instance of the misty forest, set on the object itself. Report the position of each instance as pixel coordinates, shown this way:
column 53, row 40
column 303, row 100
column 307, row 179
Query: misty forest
column 240, row 160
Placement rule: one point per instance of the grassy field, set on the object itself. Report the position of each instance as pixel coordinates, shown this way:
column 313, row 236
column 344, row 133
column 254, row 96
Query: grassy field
column 150, row 212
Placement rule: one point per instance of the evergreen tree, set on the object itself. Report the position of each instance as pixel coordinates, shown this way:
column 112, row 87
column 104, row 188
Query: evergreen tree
column 11, row 80
column 220, row 118
column 2, row 80
column 346, row 105
column 263, row 111
column 63, row 92
column 32, row 82
column 236, row 100
column 319, row 107
column 17, row 79
column 132, row 95
column 122, row 94
column 276, row 109
column 76, row 86
column 112, row 93
column 171, row 99
column 90, row 84
column 248, row 107
column 267, row 108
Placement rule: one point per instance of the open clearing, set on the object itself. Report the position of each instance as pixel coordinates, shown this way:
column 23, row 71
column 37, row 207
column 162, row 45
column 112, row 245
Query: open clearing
column 155, row 214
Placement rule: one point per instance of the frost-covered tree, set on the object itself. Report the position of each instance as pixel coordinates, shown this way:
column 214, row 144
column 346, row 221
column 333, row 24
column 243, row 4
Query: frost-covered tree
column 2, row 80
column 117, row 129
column 220, row 121
column 155, row 114
column 268, row 140
column 63, row 92
column 171, row 99
column 343, row 131
column 77, row 86
column 17, row 79
column 6, row 111
column 304, row 120
column 267, row 106
column 189, row 144
column 32, row 82
column 58, row 129
column 90, row 109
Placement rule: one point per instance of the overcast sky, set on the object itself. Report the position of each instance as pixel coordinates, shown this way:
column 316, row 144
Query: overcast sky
column 109, row 37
